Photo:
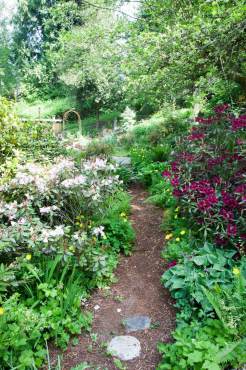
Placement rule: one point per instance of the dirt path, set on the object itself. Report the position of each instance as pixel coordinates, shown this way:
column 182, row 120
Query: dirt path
column 137, row 292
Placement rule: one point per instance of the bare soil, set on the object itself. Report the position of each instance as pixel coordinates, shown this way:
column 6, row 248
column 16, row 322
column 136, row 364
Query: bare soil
column 137, row 292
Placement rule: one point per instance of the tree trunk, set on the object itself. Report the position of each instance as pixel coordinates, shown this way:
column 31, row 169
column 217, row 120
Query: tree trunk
column 98, row 117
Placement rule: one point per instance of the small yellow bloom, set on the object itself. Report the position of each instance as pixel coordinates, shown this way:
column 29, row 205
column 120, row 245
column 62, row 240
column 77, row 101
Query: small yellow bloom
column 123, row 214
column 168, row 236
column 1, row 311
column 182, row 232
column 236, row 271
column 177, row 239
column 28, row 257
column 177, row 209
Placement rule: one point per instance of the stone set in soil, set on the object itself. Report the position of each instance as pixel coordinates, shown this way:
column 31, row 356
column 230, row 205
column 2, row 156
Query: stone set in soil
column 127, row 347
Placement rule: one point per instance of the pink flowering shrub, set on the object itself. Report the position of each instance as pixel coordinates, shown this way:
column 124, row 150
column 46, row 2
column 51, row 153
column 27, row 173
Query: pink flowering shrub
column 207, row 173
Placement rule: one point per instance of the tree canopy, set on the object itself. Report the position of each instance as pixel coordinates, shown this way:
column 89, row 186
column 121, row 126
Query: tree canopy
column 170, row 52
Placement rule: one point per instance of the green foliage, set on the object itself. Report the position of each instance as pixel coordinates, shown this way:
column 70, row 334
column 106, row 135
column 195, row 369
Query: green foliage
column 229, row 303
column 36, row 69
column 206, row 267
column 179, row 49
column 63, row 224
column 25, row 328
column 119, row 365
column 24, row 139
column 7, row 73
column 99, row 148
column 176, row 250
column 47, row 108
column 84, row 49
column 206, row 345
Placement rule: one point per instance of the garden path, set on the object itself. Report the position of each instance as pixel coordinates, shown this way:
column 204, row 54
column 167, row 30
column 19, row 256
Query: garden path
column 137, row 292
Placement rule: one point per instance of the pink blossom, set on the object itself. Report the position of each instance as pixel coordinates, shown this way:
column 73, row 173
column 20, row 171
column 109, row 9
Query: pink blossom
column 196, row 136
column 220, row 241
column 166, row 173
column 240, row 189
column 217, row 180
column 171, row 264
column 177, row 193
column 221, row 108
column 206, row 203
column 174, row 166
column 228, row 200
column 227, row 215
column 205, row 121
column 175, row 181
column 231, row 230
column 238, row 123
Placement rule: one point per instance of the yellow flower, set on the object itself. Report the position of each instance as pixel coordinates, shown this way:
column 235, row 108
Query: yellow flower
column 28, row 257
column 123, row 214
column 177, row 239
column 182, row 232
column 236, row 271
column 168, row 236
column 177, row 209
column 1, row 311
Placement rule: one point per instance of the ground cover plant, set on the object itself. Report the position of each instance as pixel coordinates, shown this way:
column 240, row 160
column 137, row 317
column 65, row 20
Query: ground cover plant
column 60, row 238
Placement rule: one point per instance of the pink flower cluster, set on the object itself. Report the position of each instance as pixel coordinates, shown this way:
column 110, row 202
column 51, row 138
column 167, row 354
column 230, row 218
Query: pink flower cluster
column 196, row 136
column 209, row 178
column 171, row 264
column 238, row 123
column 221, row 108
column 205, row 121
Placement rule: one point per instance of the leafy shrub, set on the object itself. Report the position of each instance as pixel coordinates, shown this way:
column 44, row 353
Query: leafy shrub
column 54, row 248
column 206, row 345
column 229, row 302
column 128, row 119
column 205, row 267
column 97, row 148
column 120, row 235
column 177, row 250
column 24, row 139
column 208, row 179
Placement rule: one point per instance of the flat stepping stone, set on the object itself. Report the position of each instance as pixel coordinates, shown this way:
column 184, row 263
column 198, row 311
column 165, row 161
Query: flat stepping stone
column 136, row 323
column 122, row 160
column 125, row 347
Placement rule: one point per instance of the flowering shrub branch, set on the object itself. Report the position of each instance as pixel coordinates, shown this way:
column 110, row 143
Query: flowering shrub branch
column 208, row 179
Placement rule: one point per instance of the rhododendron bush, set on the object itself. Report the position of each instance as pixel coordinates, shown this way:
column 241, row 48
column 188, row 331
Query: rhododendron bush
column 63, row 223
column 40, row 205
column 207, row 172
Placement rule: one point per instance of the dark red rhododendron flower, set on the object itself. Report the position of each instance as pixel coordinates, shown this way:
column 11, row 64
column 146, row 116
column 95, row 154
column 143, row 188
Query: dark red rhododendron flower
column 172, row 264
column 166, row 173
column 221, row 108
